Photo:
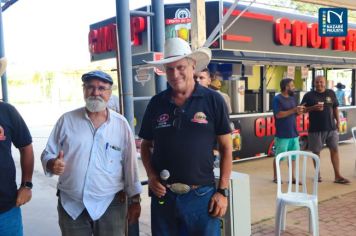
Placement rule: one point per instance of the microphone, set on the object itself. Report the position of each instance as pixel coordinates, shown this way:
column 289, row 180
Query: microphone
column 164, row 175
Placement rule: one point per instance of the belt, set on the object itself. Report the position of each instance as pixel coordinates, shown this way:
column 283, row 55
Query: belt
column 180, row 188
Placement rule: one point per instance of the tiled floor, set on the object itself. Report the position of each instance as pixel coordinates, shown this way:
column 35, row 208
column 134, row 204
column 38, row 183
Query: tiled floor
column 337, row 217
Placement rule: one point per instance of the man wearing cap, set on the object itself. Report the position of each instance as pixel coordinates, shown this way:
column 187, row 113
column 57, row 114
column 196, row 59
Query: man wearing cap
column 179, row 130
column 93, row 151
column 13, row 130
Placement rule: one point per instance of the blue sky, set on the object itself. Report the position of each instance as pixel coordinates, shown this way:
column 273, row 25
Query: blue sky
column 52, row 34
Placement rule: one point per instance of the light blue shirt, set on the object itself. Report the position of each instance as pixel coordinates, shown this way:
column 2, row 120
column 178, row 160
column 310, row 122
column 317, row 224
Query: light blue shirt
column 340, row 94
column 99, row 163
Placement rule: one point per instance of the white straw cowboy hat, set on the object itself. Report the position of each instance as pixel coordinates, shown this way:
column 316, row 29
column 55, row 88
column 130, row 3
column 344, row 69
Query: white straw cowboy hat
column 176, row 49
column 3, row 64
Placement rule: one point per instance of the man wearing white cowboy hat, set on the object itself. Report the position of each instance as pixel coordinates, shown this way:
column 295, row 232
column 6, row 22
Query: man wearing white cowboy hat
column 13, row 130
column 179, row 130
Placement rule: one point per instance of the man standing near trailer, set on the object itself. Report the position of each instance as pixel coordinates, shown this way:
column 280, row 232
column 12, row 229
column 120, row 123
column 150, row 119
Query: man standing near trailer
column 324, row 122
column 179, row 130
column 285, row 110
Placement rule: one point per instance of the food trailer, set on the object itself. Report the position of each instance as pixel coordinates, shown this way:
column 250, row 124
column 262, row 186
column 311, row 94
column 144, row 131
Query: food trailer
column 260, row 48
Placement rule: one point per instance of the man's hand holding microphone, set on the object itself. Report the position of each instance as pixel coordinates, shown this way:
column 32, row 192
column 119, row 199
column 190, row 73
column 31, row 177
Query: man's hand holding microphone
column 57, row 165
column 158, row 186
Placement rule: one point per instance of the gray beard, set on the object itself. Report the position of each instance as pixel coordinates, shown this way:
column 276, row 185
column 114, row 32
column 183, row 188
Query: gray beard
column 95, row 104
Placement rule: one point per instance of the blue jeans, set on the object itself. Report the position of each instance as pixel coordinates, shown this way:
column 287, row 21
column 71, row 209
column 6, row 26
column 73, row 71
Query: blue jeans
column 184, row 214
column 11, row 222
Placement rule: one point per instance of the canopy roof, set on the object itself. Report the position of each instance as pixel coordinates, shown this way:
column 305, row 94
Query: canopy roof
column 349, row 4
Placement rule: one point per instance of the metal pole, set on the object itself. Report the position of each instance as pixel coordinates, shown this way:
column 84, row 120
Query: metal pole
column 2, row 54
column 124, row 45
column 353, row 89
column 263, row 89
column 313, row 79
column 158, row 38
column 124, row 49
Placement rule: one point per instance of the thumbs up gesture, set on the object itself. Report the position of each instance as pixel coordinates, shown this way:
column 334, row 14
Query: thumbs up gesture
column 58, row 164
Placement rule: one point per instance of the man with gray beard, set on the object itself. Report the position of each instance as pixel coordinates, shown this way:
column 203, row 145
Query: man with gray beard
column 93, row 151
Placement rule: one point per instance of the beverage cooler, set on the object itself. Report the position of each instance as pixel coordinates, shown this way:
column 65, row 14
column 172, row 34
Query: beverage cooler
column 237, row 220
column 252, row 101
column 269, row 99
column 238, row 96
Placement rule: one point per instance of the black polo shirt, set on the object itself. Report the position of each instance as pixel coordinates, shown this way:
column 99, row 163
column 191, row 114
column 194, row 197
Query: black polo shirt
column 16, row 132
column 184, row 137
column 321, row 120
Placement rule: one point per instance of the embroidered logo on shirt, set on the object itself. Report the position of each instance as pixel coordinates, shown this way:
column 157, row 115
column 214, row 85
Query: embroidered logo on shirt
column 162, row 121
column 200, row 118
column 328, row 100
column 2, row 134
column 163, row 118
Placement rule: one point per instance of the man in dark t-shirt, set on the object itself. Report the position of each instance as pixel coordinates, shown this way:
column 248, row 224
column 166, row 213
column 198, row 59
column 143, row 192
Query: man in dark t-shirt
column 180, row 126
column 324, row 122
column 13, row 130
column 285, row 110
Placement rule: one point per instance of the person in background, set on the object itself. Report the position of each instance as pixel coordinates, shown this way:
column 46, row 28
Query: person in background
column 324, row 122
column 203, row 77
column 114, row 103
column 216, row 85
column 93, row 151
column 340, row 94
column 13, row 130
column 177, row 123
column 285, row 110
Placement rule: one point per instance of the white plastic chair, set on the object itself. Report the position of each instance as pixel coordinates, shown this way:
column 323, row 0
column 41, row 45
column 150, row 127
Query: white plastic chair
column 299, row 194
column 353, row 131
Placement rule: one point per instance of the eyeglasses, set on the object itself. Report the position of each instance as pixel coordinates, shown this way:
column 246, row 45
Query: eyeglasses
column 92, row 88
column 178, row 112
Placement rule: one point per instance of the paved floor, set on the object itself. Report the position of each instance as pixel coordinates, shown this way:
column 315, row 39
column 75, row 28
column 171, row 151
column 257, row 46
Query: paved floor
column 263, row 191
column 337, row 216
column 336, row 208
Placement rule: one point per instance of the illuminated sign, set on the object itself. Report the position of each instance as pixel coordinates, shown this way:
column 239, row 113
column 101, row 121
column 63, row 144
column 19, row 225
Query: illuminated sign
column 180, row 26
column 301, row 34
column 265, row 126
column 102, row 39
column 271, row 34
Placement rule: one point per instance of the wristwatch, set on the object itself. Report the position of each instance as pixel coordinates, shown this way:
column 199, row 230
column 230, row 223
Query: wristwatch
column 223, row 191
column 27, row 184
